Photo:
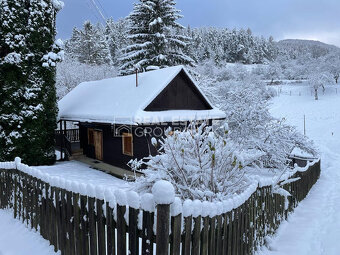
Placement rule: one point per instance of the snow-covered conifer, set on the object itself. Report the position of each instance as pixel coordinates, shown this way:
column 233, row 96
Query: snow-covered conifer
column 28, row 121
column 116, row 33
column 155, row 41
column 89, row 45
column 13, row 50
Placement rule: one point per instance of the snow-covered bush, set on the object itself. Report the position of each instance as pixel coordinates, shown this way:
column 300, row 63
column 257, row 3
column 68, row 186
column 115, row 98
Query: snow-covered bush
column 246, row 104
column 198, row 162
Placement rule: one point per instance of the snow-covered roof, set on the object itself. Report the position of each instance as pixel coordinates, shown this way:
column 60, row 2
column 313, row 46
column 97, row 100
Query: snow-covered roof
column 119, row 101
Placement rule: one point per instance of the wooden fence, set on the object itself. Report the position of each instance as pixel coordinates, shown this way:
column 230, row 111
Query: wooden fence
column 82, row 225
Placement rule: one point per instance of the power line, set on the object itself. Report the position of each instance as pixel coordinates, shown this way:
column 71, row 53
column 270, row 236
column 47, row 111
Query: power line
column 94, row 13
column 102, row 8
column 98, row 10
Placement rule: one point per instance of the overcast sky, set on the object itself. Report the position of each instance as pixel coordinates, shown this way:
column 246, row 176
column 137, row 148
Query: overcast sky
column 301, row 19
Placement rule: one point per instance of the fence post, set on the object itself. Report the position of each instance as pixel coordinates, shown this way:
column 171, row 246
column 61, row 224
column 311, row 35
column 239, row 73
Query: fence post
column 121, row 223
column 162, row 237
column 164, row 195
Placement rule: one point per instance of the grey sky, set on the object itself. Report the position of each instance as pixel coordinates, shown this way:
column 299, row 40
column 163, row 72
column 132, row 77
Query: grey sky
column 301, row 19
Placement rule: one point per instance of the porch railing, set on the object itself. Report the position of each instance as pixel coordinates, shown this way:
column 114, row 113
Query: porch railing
column 71, row 134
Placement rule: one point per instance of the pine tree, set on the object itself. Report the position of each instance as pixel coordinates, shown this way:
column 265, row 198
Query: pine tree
column 73, row 45
column 154, row 41
column 89, row 45
column 28, row 122
column 116, row 33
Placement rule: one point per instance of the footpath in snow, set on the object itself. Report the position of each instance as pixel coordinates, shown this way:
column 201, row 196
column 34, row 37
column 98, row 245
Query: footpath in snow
column 16, row 239
column 314, row 227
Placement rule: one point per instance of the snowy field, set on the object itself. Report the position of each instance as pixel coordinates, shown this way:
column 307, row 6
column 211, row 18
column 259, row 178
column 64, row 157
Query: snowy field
column 314, row 227
column 16, row 239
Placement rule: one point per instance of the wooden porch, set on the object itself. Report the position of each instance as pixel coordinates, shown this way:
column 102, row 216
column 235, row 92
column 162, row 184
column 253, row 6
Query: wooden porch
column 107, row 168
column 68, row 144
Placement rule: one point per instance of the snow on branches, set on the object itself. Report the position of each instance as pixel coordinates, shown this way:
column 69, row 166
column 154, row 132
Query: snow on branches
column 199, row 163
column 319, row 80
column 154, row 37
column 55, row 56
column 246, row 104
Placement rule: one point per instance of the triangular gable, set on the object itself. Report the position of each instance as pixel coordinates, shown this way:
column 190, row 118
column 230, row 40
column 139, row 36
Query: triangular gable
column 180, row 94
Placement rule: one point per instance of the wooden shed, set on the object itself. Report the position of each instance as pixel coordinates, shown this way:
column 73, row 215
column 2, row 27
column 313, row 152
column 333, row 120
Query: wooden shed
column 119, row 116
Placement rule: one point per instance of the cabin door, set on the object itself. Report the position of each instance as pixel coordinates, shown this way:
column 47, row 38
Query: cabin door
column 98, row 144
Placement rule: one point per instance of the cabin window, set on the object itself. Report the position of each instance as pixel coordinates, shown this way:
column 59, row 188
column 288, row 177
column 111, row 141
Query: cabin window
column 90, row 136
column 127, row 144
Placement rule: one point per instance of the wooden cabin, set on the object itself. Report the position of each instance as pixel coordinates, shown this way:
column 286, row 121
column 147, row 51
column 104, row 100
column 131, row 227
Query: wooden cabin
column 119, row 116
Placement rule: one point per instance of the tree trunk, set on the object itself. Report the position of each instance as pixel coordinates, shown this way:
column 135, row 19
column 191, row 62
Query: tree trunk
column 316, row 94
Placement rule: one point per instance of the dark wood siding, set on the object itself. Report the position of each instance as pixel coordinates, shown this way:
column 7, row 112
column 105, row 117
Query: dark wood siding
column 180, row 94
column 113, row 146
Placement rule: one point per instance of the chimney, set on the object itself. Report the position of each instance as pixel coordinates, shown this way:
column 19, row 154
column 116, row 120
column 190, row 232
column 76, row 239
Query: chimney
column 136, row 77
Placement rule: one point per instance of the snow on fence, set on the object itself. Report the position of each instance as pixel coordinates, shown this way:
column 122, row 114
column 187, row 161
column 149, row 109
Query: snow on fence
column 83, row 219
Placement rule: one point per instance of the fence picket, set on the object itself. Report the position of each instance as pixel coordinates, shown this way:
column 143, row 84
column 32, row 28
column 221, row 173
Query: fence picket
column 176, row 234
column 110, row 231
column 92, row 226
column 147, row 233
column 121, row 230
column 133, row 231
column 187, row 235
column 76, row 224
column 196, row 238
column 84, row 233
column 205, row 236
column 101, row 221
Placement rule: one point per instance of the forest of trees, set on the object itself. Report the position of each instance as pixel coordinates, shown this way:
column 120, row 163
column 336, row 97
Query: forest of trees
column 96, row 44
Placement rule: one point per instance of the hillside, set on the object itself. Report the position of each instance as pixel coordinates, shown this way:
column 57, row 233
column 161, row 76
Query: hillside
column 295, row 48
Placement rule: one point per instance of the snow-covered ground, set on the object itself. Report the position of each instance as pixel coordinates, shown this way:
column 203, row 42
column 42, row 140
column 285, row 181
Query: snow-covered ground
column 16, row 239
column 314, row 227
column 82, row 173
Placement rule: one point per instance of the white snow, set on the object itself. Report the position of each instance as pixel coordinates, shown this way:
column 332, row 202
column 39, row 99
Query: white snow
column 297, row 152
column 58, row 5
column 121, row 197
column 164, row 192
column 106, row 101
column 133, row 199
column 314, row 227
column 196, row 208
column 187, row 208
column 176, row 207
column 148, row 202
column 206, row 207
column 80, row 173
column 17, row 239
